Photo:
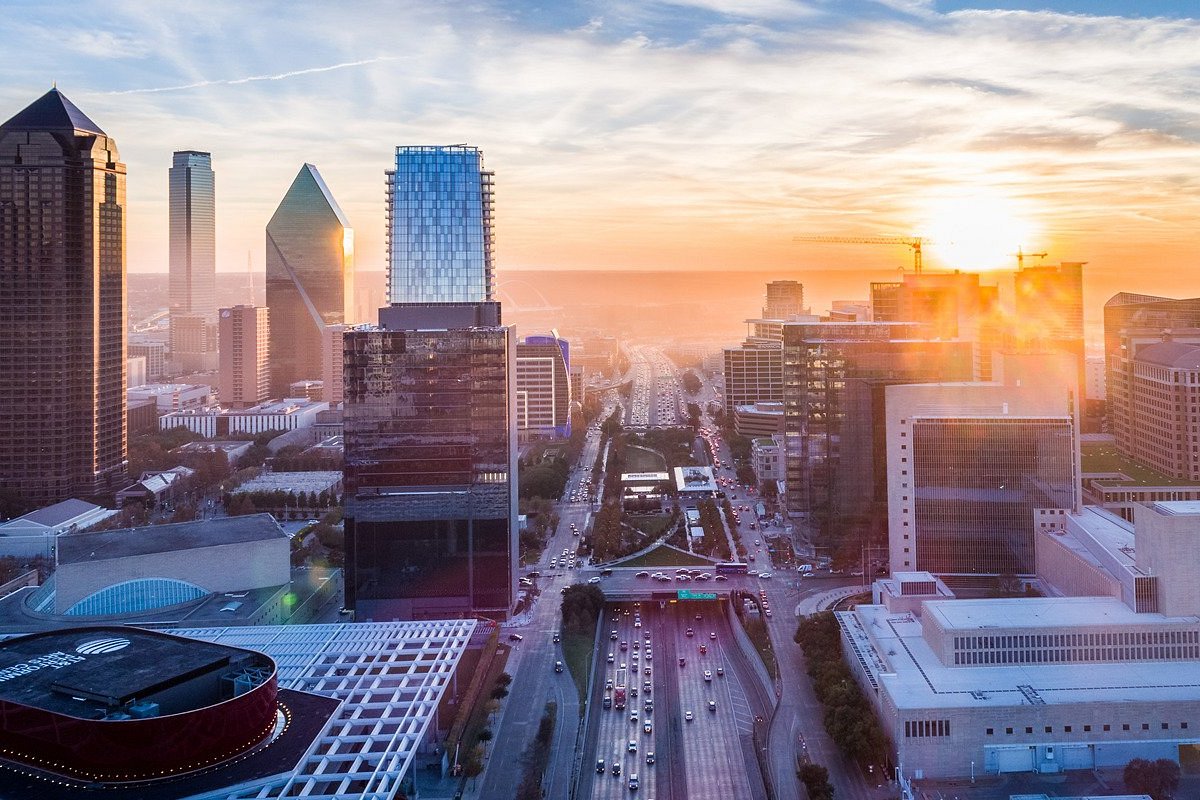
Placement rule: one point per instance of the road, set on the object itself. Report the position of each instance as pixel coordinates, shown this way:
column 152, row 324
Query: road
column 655, row 393
column 697, row 758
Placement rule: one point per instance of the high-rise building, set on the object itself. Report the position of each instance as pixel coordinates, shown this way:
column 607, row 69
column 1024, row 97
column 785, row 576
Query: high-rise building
column 543, row 386
column 1133, row 322
column 753, row 374
column 194, row 343
column 834, row 375
column 192, row 229
column 785, row 299
column 245, row 376
column 310, row 277
column 973, row 468
column 62, row 304
column 439, row 211
column 430, row 464
column 332, row 364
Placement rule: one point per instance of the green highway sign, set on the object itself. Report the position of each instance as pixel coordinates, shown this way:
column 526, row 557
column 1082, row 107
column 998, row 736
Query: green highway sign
column 688, row 594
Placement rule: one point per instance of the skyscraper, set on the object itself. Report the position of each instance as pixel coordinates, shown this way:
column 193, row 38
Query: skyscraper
column 310, row 277
column 193, row 256
column 245, row 377
column 439, row 207
column 784, row 299
column 430, row 407
column 62, row 304
column 543, row 386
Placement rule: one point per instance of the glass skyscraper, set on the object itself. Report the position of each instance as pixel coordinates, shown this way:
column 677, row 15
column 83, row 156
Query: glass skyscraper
column 193, row 257
column 310, row 277
column 62, row 304
column 439, row 206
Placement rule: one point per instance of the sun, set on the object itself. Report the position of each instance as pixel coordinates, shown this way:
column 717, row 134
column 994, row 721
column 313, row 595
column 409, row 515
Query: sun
column 978, row 230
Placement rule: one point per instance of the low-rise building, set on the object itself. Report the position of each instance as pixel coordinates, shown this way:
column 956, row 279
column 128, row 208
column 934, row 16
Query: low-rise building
column 758, row 419
column 283, row 415
column 695, row 481
column 766, row 456
column 33, row 534
column 156, row 488
column 172, row 396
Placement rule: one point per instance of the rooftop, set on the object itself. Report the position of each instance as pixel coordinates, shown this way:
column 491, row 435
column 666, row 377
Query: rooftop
column 317, row 481
column 75, row 548
column 51, row 112
column 1060, row 613
column 59, row 513
column 1179, row 355
column 1177, row 508
column 902, row 661
column 1103, row 458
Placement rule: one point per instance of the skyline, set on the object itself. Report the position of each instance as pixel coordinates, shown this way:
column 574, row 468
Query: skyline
column 667, row 136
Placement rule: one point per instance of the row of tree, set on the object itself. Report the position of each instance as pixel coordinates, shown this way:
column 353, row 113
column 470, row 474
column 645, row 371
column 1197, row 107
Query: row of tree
column 816, row 781
column 276, row 499
column 849, row 718
column 715, row 543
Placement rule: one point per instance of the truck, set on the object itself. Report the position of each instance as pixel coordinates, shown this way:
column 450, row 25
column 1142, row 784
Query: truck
column 619, row 690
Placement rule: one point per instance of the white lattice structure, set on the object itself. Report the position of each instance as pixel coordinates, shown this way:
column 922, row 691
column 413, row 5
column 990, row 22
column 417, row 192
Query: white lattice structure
column 390, row 677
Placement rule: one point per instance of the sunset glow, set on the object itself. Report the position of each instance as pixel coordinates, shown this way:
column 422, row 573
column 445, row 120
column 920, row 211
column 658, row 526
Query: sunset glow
column 978, row 231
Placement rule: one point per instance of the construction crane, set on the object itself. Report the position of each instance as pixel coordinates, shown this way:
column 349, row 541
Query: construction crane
column 1021, row 255
column 913, row 242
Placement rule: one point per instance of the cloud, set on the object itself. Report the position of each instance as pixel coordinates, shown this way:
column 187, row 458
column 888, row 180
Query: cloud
column 255, row 78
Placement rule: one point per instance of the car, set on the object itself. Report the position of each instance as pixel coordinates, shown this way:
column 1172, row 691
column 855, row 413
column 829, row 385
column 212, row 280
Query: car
column 557, row 637
column 648, row 687
column 593, row 580
column 721, row 578
column 768, row 613
column 633, row 691
column 712, row 635
column 616, row 768
column 712, row 706
column 516, row 637
column 632, row 748
column 613, row 636
column 720, row 672
column 687, row 715
column 622, row 665
column 534, row 574
column 757, row 543
column 766, row 576
column 608, row 684
column 637, row 645
column 649, row 650
column 624, row 646
column 682, row 661
column 633, row 782
column 650, row 757
column 703, row 649
column 707, row 675
column 703, row 576
column 599, row 765
column 563, row 590
column 642, row 574
column 689, row 632
column 647, row 669
column 611, row 658
column 558, row 666
column 637, row 623
column 633, row 715
column 553, row 563
column 648, row 707
column 607, row 703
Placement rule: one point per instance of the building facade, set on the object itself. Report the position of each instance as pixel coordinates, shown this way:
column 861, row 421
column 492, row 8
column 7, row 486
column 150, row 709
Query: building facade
column 440, row 230
column 753, row 374
column 193, row 232
column 543, row 386
column 245, row 377
column 785, row 299
column 430, row 465
column 62, row 304
column 310, row 277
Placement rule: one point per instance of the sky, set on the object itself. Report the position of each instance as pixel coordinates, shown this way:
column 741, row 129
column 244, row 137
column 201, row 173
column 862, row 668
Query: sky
column 641, row 134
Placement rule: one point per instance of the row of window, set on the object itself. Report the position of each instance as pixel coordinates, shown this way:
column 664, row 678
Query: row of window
column 922, row 728
column 1125, row 726
column 1077, row 639
column 1079, row 655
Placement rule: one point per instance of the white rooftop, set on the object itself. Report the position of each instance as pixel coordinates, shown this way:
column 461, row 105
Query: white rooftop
column 1177, row 508
column 1040, row 612
column 292, row 481
column 903, row 662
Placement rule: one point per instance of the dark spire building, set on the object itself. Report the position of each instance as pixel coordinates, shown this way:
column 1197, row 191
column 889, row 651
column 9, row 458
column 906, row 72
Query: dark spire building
column 62, row 304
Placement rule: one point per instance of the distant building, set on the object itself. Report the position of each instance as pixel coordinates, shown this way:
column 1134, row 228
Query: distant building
column 156, row 488
column 283, row 415
column 135, row 371
column 307, row 482
column 194, row 343
column 331, row 364
column 245, row 376
column 1096, row 368
column 766, row 457
column 62, row 304
column 142, row 416
column 173, row 396
column 192, row 233
column 543, row 386
column 313, row 390
column 972, row 467
column 233, row 451
column 758, row 419
column 310, row 277
column 155, row 354
column 785, row 299
column 67, row 516
column 753, row 374
column 696, row 481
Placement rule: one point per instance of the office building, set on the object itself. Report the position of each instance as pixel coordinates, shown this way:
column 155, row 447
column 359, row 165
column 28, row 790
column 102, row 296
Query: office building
column 62, row 304
column 952, row 305
column 288, row 414
column 245, row 376
column 1151, row 406
column 972, row 469
column 430, row 464
column 834, row 376
column 785, row 299
column 1103, row 670
column 310, row 277
column 331, row 364
column 192, row 232
column 543, row 386
column 758, row 419
column 753, row 373
column 194, row 343
column 155, row 354
column 135, row 371
column 173, row 396
column 439, row 217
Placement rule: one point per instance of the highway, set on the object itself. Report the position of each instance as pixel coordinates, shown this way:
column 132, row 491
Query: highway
column 655, row 393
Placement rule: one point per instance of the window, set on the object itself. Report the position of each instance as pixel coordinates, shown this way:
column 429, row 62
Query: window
column 1049, row 729
column 1108, row 727
column 1066, row 729
column 1125, row 726
column 1008, row 731
column 990, row 731
column 1029, row 729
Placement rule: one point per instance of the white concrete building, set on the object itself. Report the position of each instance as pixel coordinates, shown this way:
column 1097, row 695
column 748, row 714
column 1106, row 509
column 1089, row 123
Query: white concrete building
column 172, row 396
column 283, row 415
column 766, row 456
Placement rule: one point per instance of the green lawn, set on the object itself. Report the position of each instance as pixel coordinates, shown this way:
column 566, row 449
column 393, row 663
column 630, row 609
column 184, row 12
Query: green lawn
column 652, row 525
column 577, row 655
column 639, row 459
column 665, row 557
column 1098, row 457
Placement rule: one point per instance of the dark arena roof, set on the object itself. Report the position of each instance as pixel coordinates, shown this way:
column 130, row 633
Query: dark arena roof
column 116, row 704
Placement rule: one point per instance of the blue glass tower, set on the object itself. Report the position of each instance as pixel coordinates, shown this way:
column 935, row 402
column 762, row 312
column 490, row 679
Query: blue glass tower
column 439, row 201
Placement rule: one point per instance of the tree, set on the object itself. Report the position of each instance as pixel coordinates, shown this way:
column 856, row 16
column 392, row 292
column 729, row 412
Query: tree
column 691, row 383
column 581, row 607
column 485, row 735
column 1159, row 779
column 816, row 780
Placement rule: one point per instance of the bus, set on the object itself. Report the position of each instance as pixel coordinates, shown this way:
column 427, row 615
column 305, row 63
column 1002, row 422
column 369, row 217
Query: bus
column 732, row 568
column 619, row 689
